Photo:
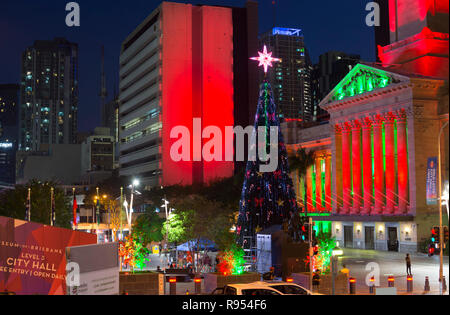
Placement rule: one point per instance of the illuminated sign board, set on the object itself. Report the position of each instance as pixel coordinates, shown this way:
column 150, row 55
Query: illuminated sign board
column 6, row 145
column 287, row 31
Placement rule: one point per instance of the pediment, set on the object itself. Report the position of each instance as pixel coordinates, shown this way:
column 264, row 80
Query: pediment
column 360, row 80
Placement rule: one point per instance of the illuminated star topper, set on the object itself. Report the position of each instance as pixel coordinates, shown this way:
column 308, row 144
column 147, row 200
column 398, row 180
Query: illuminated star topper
column 265, row 59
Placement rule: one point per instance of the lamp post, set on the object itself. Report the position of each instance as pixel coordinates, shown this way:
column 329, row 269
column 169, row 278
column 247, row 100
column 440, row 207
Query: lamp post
column 334, row 266
column 120, row 215
column 166, row 205
column 441, row 238
column 130, row 212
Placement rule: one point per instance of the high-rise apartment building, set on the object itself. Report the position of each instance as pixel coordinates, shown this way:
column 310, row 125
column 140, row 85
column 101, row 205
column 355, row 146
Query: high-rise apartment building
column 333, row 66
column 290, row 78
column 9, row 132
column 48, row 94
column 185, row 62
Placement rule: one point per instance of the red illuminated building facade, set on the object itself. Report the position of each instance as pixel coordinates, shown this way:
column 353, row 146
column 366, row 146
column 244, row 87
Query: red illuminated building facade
column 185, row 62
column 369, row 182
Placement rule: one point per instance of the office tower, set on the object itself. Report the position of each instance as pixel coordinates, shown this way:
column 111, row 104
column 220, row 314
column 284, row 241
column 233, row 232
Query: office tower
column 48, row 94
column 290, row 78
column 184, row 62
column 9, row 132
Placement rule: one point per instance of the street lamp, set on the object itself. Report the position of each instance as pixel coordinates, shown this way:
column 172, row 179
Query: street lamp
column 130, row 212
column 441, row 199
column 334, row 266
column 166, row 205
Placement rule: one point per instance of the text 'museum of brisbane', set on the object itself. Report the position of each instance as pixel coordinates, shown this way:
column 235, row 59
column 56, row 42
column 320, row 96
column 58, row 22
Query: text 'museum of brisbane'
column 369, row 183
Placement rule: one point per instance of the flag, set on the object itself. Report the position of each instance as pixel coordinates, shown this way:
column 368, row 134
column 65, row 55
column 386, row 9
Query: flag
column 74, row 208
column 28, row 212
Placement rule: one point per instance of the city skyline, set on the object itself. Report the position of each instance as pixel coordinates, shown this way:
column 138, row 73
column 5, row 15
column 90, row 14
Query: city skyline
column 97, row 28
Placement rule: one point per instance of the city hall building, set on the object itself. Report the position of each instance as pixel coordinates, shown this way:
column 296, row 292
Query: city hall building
column 370, row 185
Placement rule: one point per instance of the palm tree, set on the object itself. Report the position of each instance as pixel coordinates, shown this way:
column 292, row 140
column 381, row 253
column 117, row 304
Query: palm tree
column 301, row 161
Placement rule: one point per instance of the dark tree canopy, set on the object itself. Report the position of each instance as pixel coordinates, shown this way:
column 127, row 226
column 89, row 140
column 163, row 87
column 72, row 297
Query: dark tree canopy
column 13, row 203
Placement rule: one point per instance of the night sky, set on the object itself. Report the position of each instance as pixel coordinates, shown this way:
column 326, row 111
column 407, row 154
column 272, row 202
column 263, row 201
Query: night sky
column 327, row 25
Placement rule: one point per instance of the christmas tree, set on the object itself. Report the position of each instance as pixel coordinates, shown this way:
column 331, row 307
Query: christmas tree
column 268, row 198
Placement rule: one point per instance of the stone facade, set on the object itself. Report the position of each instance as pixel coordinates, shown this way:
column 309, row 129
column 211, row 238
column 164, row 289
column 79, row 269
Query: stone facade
column 383, row 128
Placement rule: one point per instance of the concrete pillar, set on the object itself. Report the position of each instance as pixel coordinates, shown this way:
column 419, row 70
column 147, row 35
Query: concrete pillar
column 403, row 170
column 390, row 163
column 346, row 168
column 357, row 167
column 378, row 161
column 367, row 165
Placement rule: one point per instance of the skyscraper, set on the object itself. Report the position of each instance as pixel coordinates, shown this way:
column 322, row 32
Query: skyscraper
column 9, row 95
column 290, row 78
column 48, row 94
column 333, row 66
column 184, row 62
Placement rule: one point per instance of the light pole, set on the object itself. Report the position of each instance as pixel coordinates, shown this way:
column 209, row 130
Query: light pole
column 120, row 215
column 334, row 266
column 165, row 205
column 130, row 212
column 441, row 237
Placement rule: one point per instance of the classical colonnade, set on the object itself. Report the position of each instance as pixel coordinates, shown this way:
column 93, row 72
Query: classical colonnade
column 374, row 158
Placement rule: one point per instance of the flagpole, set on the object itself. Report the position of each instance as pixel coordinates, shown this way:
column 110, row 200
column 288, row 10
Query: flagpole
column 74, row 224
column 28, row 218
column 52, row 215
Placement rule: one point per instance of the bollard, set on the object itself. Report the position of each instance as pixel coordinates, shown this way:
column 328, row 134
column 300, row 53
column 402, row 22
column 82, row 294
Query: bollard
column 427, row 285
column 352, row 282
column 391, row 282
column 444, row 284
column 198, row 286
column 173, row 286
column 409, row 284
column 372, row 285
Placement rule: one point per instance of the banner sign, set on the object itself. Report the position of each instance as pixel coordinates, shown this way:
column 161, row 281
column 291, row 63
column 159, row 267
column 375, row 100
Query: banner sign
column 432, row 179
column 32, row 256
column 96, row 276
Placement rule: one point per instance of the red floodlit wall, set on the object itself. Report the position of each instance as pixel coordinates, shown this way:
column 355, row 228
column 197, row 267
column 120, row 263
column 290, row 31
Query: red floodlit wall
column 217, row 86
column 176, row 86
column 197, row 83
column 409, row 17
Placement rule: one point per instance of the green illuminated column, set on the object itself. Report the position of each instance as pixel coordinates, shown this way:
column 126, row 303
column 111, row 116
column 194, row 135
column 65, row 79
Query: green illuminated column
column 328, row 170
column 319, row 184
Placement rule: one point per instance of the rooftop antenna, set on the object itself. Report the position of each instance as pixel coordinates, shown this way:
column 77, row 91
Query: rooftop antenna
column 274, row 14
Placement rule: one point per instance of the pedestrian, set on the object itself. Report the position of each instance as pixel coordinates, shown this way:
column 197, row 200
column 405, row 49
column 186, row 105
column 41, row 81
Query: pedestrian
column 408, row 265
column 345, row 270
column 316, row 280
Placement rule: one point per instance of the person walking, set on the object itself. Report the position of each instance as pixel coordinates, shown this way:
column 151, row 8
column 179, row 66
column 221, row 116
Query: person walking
column 345, row 270
column 316, row 280
column 408, row 265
